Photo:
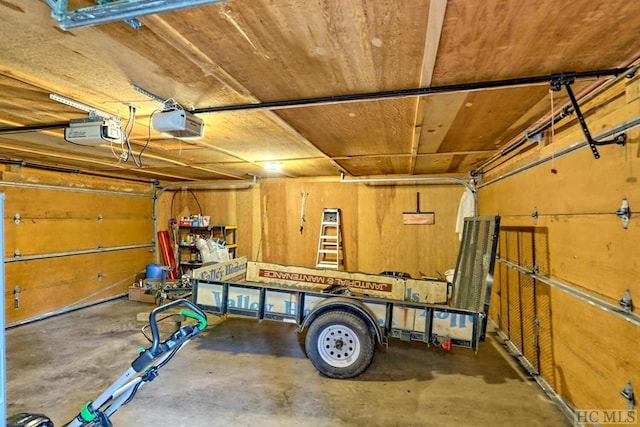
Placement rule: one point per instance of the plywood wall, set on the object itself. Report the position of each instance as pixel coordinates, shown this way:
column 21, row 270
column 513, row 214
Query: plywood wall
column 69, row 237
column 269, row 222
column 585, row 353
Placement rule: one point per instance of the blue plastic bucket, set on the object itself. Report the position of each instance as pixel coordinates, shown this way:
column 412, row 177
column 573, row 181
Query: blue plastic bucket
column 154, row 271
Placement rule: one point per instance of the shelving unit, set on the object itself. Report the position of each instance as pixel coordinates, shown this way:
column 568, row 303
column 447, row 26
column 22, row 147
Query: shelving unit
column 188, row 254
column 229, row 233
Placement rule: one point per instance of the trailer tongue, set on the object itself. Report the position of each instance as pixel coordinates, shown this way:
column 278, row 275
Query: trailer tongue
column 345, row 322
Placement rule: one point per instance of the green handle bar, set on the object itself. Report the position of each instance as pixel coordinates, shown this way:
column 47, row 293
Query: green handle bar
column 201, row 320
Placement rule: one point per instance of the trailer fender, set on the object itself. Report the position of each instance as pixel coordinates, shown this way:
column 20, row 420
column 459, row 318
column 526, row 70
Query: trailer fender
column 346, row 304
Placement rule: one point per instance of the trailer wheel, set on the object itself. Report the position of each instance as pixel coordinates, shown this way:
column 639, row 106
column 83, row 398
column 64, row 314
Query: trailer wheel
column 340, row 344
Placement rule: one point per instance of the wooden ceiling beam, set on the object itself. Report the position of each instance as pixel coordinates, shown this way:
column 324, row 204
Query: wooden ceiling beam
column 83, row 159
column 444, row 154
column 386, row 155
column 437, row 9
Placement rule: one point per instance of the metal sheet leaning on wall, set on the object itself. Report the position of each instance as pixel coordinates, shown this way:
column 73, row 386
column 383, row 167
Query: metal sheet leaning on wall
column 71, row 240
column 566, row 258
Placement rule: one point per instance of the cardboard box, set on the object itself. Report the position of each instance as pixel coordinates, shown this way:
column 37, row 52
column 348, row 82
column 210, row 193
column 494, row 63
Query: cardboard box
column 226, row 271
column 360, row 284
column 134, row 293
column 426, row 290
column 137, row 293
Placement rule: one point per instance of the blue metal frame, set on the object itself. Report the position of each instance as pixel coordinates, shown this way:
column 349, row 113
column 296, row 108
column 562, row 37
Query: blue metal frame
column 117, row 10
column 330, row 302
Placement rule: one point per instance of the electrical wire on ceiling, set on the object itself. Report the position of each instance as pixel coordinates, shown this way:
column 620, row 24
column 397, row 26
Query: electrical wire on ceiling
column 124, row 155
column 131, row 121
column 146, row 144
column 126, row 151
column 173, row 197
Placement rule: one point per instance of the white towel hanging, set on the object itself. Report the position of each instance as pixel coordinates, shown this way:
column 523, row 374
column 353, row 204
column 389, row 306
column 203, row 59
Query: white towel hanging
column 466, row 208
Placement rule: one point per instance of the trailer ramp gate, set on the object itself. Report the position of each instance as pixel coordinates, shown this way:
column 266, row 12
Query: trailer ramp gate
column 473, row 277
column 463, row 323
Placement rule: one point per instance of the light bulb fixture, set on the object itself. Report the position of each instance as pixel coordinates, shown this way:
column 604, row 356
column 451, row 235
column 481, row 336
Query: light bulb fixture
column 273, row 166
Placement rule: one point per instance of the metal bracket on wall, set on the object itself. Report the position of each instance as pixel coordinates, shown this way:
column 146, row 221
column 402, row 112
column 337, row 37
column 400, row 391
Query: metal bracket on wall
column 302, row 210
column 16, row 218
column 624, row 213
column 556, row 85
column 534, row 215
column 536, row 332
column 16, row 297
column 626, row 302
column 627, row 393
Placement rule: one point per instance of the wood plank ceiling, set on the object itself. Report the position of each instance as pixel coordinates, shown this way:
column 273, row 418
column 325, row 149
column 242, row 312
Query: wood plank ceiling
column 253, row 51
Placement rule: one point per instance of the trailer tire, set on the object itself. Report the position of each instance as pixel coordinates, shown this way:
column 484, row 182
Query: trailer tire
column 340, row 344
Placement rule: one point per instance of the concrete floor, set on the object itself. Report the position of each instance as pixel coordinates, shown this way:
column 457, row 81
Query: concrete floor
column 242, row 373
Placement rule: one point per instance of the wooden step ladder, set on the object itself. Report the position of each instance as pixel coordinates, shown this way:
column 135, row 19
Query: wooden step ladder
column 330, row 255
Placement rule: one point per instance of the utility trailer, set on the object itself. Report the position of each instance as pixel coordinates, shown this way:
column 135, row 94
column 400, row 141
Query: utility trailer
column 343, row 328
